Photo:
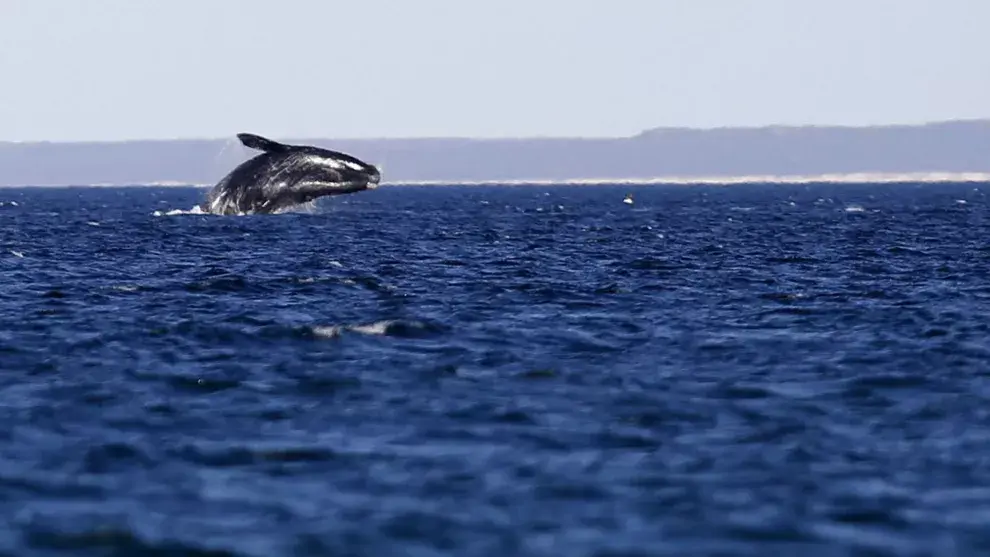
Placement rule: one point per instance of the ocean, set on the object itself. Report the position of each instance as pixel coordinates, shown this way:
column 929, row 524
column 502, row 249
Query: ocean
column 498, row 371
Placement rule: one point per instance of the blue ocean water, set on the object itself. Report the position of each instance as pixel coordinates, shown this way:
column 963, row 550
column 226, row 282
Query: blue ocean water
column 504, row 371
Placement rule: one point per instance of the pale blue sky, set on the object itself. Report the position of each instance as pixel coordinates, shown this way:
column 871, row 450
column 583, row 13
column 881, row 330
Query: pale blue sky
column 123, row 69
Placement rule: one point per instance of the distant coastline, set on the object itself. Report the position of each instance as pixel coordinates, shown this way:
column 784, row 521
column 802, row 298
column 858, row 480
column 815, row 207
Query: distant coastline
column 855, row 178
column 952, row 151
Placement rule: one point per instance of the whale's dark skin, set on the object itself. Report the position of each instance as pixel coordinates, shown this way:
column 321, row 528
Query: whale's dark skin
column 286, row 175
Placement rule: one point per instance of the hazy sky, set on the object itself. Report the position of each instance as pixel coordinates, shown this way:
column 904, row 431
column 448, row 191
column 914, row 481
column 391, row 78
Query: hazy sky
column 122, row 69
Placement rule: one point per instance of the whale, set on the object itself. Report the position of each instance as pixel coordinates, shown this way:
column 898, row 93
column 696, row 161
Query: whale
column 284, row 175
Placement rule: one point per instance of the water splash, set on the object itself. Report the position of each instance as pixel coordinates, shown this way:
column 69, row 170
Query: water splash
column 197, row 210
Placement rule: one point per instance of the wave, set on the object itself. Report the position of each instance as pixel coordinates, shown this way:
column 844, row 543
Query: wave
column 387, row 327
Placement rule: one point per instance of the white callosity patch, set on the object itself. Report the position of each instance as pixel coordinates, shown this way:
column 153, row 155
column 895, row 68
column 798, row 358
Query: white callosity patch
column 325, row 161
column 336, row 164
column 332, row 163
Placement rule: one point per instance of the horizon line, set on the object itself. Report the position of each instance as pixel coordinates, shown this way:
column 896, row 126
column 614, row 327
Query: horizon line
column 923, row 177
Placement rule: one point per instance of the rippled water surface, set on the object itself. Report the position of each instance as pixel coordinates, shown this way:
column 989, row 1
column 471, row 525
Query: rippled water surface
column 504, row 371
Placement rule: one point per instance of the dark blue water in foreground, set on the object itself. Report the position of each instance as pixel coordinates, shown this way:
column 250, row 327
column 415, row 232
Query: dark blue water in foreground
column 503, row 371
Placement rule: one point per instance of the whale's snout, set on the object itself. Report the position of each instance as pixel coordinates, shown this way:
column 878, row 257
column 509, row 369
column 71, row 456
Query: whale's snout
column 374, row 176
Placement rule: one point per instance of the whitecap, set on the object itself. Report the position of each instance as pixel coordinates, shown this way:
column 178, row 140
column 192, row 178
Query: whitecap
column 197, row 210
column 375, row 328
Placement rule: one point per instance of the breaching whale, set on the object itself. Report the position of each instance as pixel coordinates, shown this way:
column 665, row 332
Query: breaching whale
column 286, row 175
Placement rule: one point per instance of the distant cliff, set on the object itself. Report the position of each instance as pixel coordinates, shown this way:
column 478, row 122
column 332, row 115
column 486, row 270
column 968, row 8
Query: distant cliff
column 953, row 147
